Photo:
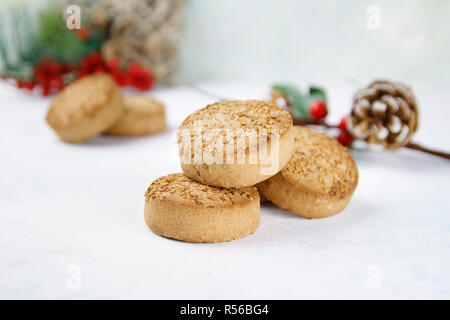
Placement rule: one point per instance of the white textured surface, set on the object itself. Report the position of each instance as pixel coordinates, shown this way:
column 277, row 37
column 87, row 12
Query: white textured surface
column 64, row 205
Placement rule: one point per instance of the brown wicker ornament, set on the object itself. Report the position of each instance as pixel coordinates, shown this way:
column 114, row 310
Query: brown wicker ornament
column 385, row 113
column 143, row 31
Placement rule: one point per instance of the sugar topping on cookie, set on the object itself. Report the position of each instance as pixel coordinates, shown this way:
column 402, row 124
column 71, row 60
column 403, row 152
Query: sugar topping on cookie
column 178, row 187
column 321, row 160
column 143, row 104
column 242, row 114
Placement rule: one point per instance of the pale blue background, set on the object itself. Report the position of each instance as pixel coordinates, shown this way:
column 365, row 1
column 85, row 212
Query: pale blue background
column 316, row 41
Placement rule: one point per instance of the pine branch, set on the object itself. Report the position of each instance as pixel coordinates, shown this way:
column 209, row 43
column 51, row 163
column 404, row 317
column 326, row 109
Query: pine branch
column 415, row 146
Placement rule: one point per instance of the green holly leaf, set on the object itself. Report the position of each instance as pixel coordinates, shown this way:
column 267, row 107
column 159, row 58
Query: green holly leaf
column 299, row 102
column 317, row 93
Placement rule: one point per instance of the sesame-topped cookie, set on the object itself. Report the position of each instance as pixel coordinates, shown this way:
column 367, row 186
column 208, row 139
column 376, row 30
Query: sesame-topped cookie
column 86, row 108
column 180, row 208
column 236, row 143
column 142, row 116
column 318, row 181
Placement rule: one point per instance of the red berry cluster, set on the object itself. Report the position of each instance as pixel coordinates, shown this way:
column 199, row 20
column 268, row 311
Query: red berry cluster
column 345, row 138
column 50, row 75
column 25, row 84
column 135, row 76
column 318, row 110
column 138, row 77
column 83, row 33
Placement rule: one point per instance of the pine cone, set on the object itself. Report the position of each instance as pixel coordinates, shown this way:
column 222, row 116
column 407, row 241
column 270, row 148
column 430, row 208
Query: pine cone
column 385, row 113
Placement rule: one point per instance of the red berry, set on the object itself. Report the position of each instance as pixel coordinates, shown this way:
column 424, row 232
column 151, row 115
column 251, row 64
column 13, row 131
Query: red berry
column 56, row 83
column 91, row 63
column 318, row 109
column 19, row 84
column 343, row 123
column 138, row 77
column 29, row 85
column 55, row 68
column 134, row 68
column 40, row 73
column 45, row 89
column 345, row 138
column 99, row 68
column 83, row 33
column 25, row 84
column 113, row 64
column 92, row 60
column 119, row 77
column 44, row 73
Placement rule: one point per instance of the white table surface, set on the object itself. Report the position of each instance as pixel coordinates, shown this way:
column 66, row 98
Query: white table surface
column 72, row 226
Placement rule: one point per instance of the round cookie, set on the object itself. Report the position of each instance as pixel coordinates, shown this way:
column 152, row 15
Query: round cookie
column 262, row 197
column 142, row 116
column 318, row 181
column 236, row 143
column 86, row 108
column 180, row 208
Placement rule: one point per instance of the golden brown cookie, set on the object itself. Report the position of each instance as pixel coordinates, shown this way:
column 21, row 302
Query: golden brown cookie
column 235, row 143
column 262, row 197
column 318, row 181
column 180, row 208
column 86, row 108
column 142, row 116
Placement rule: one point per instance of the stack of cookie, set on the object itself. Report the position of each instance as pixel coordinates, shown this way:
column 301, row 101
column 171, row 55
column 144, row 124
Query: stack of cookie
column 229, row 150
column 94, row 104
